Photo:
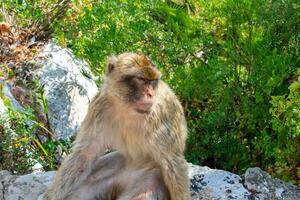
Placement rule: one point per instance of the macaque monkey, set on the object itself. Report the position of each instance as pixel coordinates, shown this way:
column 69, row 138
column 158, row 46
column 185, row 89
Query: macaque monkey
column 138, row 115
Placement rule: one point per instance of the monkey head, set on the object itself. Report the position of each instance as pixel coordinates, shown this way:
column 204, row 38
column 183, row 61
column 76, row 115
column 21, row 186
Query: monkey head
column 132, row 79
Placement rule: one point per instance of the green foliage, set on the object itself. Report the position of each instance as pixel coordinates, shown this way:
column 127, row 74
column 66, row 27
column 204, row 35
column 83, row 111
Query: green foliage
column 22, row 147
column 25, row 11
column 285, row 120
column 118, row 26
column 247, row 75
column 35, row 17
column 13, row 154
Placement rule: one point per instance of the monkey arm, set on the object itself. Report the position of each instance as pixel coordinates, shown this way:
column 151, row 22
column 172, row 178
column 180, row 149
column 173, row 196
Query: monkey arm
column 174, row 171
column 167, row 148
column 68, row 177
column 73, row 171
column 173, row 167
column 88, row 146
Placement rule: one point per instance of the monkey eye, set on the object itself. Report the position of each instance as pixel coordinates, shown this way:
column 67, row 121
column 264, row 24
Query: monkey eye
column 154, row 83
column 142, row 80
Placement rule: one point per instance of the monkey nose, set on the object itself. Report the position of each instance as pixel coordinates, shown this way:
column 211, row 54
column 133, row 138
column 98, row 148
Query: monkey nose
column 150, row 92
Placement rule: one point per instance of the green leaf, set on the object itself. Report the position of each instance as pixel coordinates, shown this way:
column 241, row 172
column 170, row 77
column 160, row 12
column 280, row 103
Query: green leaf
column 6, row 102
column 294, row 86
column 258, row 97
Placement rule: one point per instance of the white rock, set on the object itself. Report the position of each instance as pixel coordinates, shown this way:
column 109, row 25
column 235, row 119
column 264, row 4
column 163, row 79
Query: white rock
column 2, row 107
column 264, row 186
column 27, row 187
column 208, row 184
column 37, row 167
column 67, row 90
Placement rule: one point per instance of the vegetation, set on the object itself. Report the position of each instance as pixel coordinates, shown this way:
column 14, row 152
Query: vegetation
column 26, row 139
column 234, row 64
column 22, row 148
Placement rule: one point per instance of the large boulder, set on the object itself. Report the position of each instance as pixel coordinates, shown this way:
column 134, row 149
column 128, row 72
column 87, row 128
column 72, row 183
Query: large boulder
column 261, row 184
column 27, row 187
column 69, row 87
column 206, row 184
column 68, row 84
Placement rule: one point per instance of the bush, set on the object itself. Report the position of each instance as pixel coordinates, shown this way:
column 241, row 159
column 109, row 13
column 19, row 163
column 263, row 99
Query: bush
column 251, row 63
column 119, row 26
column 21, row 147
column 33, row 18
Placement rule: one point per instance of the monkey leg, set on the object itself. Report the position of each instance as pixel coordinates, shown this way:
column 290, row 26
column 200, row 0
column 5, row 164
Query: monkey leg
column 70, row 176
column 113, row 179
column 174, row 173
column 158, row 193
column 143, row 184
column 102, row 182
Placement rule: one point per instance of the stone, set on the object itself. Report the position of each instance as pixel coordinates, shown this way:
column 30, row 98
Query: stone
column 206, row 184
column 69, row 87
column 68, row 84
column 261, row 184
column 26, row 187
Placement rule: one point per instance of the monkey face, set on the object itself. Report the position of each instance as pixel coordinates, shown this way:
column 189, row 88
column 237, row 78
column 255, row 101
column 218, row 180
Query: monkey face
column 140, row 93
column 135, row 80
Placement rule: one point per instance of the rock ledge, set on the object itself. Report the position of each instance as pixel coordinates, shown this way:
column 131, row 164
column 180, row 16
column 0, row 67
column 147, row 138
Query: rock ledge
column 206, row 184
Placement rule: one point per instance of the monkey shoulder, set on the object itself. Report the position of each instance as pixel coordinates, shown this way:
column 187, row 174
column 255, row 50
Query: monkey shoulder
column 168, row 99
column 100, row 99
column 167, row 122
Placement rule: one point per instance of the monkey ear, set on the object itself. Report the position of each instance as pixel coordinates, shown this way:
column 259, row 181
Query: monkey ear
column 111, row 64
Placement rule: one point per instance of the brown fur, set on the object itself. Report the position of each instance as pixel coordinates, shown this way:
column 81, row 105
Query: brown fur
column 144, row 140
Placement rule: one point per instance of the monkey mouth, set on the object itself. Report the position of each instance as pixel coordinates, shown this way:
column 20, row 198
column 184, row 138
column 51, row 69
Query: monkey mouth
column 142, row 111
column 143, row 106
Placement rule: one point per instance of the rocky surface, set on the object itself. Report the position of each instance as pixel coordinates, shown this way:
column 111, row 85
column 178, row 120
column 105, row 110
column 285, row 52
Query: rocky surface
column 27, row 187
column 206, row 184
column 69, row 87
column 261, row 184
column 209, row 183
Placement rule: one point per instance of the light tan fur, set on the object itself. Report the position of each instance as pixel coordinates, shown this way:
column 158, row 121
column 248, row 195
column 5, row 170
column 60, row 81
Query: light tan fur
column 155, row 139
